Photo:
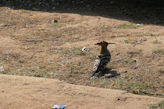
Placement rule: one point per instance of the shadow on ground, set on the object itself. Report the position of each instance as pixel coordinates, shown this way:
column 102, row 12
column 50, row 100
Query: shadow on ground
column 137, row 11
column 109, row 73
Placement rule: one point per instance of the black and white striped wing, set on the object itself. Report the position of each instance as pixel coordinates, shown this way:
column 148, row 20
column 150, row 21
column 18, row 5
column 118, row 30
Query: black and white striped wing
column 99, row 65
column 95, row 66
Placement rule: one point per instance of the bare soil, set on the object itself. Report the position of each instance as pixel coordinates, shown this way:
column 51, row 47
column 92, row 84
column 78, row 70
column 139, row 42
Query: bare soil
column 31, row 44
column 40, row 93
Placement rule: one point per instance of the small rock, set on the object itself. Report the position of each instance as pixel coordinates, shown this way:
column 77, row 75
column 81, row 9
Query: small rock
column 125, row 71
column 35, row 9
column 1, row 25
column 139, row 24
column 55, row 21
column 161, row 71
column 1, row 68
column 118, row 99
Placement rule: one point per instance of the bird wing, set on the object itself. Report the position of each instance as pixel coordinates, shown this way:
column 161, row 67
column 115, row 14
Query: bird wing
column 99, row 64
column 103, row 62
column 96, row 64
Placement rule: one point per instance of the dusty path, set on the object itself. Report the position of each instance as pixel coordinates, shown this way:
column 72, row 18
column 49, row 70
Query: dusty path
column 18, row 92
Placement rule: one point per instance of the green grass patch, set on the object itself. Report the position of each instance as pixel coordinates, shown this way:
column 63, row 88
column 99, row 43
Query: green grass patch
column 144, row 39
column 159, row 105
column 74, row 69
column 44, row 73
column 133, row 87
column 37, row 72
column 137, row 88
column 57, row 35
column 102, row 28
column 126, row 41
column 72, row 51
column 104, row 83
column 158, row 51
column 55, row 25
column 126, row 26
column 156, row 41
column 76, row 39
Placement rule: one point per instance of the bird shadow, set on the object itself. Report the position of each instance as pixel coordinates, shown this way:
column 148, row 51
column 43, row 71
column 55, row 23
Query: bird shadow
column 108, row 73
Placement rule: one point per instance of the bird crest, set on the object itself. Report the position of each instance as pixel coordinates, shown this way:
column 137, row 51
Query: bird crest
column 103, row 43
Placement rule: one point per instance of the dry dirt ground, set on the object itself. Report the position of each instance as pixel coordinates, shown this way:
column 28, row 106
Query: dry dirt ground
column 39, row 93
column 31, row 44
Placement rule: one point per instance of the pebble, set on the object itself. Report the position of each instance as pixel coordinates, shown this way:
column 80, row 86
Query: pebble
column 55, row 21
column 1, row 68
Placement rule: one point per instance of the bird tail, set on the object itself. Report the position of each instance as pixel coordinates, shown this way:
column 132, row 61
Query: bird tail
column 92, row 74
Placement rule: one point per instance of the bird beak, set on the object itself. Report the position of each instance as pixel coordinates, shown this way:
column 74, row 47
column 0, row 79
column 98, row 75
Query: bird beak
column 97, row 44
column 111, row 43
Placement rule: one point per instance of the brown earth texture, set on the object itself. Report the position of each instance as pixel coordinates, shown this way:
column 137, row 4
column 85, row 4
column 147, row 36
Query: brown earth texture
column 40, row 93
column 31, row 44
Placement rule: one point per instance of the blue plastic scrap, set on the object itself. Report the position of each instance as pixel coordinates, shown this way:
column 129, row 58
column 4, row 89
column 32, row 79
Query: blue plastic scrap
column 59, row 107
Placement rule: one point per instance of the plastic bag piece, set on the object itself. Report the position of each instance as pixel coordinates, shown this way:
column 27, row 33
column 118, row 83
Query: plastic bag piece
column 59, row 107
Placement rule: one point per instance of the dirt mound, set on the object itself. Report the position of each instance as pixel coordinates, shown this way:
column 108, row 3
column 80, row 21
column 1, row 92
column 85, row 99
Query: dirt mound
column 38, row 93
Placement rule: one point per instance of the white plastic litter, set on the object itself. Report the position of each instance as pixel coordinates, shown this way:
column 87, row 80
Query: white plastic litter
column 1, row 68
column 59, row 107
column 83, row 49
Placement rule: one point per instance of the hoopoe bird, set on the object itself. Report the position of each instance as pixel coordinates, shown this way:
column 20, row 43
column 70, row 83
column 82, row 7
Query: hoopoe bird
column 101, row 60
